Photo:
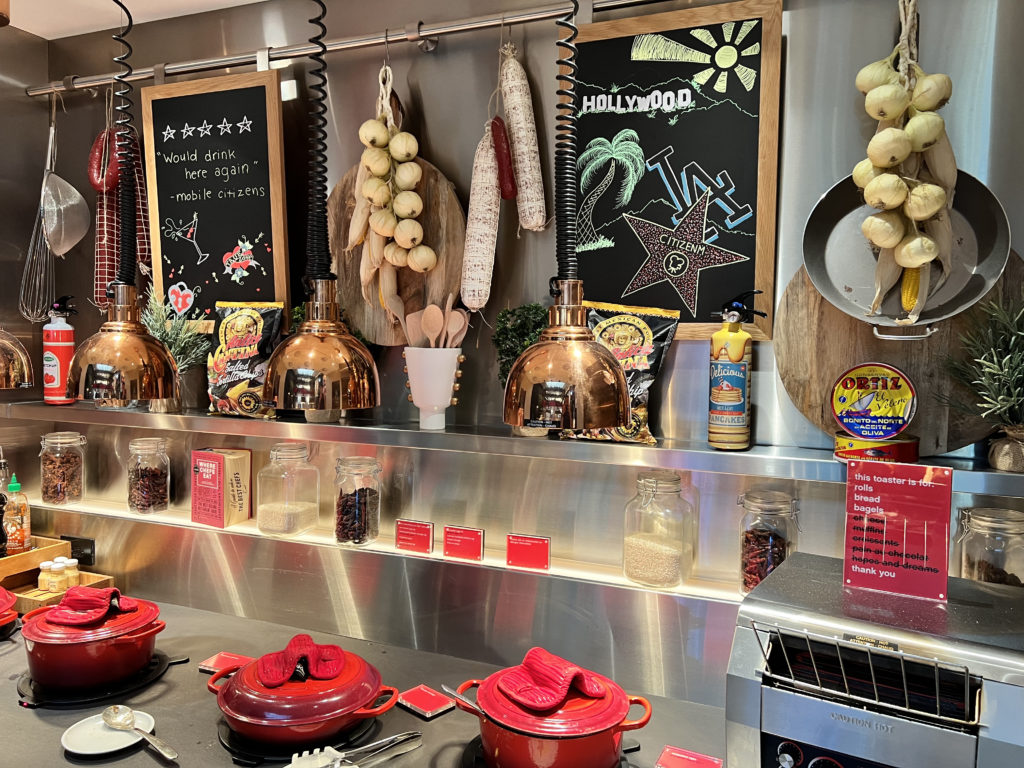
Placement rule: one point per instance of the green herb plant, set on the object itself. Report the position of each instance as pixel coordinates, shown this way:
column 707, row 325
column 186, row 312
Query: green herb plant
column 515, row 330
column 991, row 365
column 179, row 333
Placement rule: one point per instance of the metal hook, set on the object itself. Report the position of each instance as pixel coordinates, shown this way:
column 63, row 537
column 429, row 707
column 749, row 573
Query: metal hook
column 387, row 49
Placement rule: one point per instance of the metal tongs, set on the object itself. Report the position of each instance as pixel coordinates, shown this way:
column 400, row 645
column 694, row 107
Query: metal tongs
column 360, row 757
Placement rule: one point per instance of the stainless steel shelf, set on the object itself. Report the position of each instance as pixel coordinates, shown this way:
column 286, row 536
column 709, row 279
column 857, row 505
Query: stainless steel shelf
column 761, row 461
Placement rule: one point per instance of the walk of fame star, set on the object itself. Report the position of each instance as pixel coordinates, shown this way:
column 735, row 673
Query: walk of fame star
column 678, row 255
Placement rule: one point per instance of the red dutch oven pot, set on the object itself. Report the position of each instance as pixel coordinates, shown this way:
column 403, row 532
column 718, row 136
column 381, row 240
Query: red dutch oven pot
column 7, row 612
column 582, row 731
column 300, row 712
column 82, row 656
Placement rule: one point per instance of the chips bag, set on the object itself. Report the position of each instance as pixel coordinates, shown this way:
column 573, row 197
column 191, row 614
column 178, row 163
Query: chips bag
column 640, row 338
column 246, row 334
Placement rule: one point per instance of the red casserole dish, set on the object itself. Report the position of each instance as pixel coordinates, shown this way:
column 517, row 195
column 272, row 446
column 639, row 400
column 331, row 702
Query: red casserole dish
column 300, row 712
column 580, row 731
column 7, row 612
column 82, row 656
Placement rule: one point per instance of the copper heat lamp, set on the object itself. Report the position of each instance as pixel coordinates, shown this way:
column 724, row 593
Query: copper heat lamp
column 320, row 369
column 121, row 363
column 567, row 379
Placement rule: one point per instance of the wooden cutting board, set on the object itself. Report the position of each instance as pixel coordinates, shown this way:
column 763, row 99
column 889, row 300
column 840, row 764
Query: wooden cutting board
column 444, row 230
column 815, row 343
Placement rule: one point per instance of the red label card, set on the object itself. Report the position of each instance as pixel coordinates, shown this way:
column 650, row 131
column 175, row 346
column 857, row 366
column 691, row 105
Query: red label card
column 414, row 536
column 467, row 543
column 674, row 757
column 528, row 551
column 897, row 528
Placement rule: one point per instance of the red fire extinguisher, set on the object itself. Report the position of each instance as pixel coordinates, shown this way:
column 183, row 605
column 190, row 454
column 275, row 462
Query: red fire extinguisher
column 58, row 349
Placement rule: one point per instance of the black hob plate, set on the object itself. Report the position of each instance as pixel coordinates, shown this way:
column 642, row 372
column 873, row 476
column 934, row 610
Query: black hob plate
column 473, row 755
column 9, row 629
column 249, row 752
column 33, row 695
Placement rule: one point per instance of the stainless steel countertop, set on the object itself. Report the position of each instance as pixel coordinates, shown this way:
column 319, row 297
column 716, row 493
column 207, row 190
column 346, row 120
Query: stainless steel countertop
column 187, row 714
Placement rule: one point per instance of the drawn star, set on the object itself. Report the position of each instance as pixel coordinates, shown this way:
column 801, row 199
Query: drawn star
column 245, row 125
column 678, row 255
column 204, row 129
column 187, row 130
column 169, row 133
column 225, row 126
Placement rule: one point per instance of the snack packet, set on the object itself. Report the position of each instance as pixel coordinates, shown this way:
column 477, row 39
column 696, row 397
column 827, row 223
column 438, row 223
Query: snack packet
column 246, row 334
column 640, row 338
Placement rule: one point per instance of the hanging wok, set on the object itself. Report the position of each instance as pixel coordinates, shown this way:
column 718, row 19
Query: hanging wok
column 841, row 262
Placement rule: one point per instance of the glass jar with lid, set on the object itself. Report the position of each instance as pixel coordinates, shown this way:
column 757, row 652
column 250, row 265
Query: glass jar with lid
column 357, row 506
column 770, row 534
column 657, row 549
column 287, row 491
column 149, row 475
column 991, row 544
column 62, row 467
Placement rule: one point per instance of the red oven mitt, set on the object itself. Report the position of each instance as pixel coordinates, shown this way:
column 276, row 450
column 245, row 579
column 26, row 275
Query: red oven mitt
column 88, row 605
column 302, row 658
column 7, row 599
column 543, row 681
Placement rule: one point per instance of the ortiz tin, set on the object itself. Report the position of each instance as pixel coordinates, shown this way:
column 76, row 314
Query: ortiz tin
column 902, row 450
column 874, row 401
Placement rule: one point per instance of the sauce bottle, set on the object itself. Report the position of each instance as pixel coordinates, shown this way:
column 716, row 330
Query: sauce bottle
column 58, row 349
column 729, row 397
column 17, row 519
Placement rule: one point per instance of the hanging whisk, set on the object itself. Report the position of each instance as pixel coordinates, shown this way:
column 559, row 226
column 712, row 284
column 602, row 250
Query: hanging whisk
column 37, row 284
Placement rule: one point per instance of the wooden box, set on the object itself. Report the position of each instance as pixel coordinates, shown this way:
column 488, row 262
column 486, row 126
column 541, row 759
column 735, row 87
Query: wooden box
column 45, row 549
column 29, row 596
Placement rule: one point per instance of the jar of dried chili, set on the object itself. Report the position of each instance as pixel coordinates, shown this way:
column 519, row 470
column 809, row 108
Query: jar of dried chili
column 769, row 535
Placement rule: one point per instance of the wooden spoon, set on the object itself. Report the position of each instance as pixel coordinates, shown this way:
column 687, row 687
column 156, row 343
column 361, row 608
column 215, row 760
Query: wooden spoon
column 456, row 325
column 416, row 337
column 447, row 315
column 457, row 341
column 432, row 323
column 397, row 308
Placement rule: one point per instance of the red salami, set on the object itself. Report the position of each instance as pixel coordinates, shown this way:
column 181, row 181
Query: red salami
column 506, row 176
column 107, row 227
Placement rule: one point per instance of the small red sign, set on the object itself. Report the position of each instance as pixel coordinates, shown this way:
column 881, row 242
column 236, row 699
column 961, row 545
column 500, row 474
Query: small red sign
column 674, row 757
column 897, row 528
column 414, row 536
column 465, row 543
column 528, row 551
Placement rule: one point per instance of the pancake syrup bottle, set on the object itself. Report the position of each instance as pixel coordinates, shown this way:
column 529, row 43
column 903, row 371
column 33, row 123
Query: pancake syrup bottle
column 729, row 396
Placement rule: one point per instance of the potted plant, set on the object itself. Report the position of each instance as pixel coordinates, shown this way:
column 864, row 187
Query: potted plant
column 991, row 368
column 188, row 346
column 516, row 329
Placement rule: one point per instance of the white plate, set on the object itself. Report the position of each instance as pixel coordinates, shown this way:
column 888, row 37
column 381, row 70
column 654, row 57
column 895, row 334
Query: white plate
column 94, row 737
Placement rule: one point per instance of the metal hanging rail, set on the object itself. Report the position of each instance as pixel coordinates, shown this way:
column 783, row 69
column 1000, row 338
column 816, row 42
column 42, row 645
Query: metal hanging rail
column 413, row 33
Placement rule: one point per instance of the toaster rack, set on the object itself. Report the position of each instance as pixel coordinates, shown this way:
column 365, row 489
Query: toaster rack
column 879, row 678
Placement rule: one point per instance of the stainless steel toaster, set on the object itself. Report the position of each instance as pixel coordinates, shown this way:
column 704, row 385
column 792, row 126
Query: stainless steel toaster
column 823, row 676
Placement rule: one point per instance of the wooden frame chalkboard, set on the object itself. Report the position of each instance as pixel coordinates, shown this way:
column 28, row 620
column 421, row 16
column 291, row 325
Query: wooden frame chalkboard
column 678, row 122
column 215, row 179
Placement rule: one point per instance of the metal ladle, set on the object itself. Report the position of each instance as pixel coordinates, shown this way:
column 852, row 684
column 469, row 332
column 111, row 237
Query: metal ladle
column 121, row 718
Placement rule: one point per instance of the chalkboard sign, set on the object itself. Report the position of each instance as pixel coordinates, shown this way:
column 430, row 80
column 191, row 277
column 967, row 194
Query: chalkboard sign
column 678, row 143
column 215, row 175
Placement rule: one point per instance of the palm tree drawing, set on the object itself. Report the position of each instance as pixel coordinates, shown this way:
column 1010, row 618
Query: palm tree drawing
column 622, row 151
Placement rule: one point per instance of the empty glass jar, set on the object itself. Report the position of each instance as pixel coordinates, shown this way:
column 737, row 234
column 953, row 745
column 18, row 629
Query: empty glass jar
column 770, row 533
column 991, row 545
column 357, row 509
column 149, row 475
column 658, row 546
column 287, row 491
column 62, row 467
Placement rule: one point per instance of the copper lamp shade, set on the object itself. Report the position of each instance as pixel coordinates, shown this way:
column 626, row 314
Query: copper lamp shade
column 121, row 363
column 322, row 367
column 15, row 364
column 567, row 379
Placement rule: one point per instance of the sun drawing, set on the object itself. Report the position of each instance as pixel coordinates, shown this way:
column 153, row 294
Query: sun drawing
column 723, row 57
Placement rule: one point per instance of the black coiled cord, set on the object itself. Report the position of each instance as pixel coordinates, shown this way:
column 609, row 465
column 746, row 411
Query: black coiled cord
column 318, row 254
column 125, row 161
column 565, row 153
